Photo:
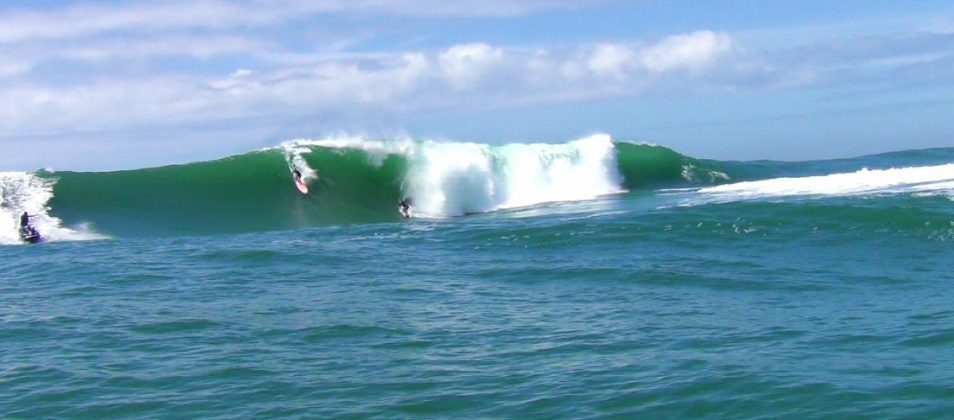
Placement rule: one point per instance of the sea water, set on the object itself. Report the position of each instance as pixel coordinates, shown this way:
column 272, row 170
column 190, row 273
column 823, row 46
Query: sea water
column 585, row 279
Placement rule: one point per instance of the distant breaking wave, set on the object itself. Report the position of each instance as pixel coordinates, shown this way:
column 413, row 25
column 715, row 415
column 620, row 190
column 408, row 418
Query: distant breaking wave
column 925, row 180
column 361, row 180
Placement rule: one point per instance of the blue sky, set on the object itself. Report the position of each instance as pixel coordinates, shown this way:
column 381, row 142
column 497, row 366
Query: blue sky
column 121, row 84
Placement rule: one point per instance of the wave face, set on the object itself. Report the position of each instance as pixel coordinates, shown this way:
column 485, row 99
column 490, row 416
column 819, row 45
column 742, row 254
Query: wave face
column 351, row 180
column 358, row 180
column 652, row 166
column 249, row 192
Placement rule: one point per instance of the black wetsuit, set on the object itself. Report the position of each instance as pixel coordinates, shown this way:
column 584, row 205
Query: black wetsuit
column 24, row 220
column 405, row 207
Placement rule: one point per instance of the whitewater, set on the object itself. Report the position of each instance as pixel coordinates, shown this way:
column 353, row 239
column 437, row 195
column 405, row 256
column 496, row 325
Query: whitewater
column 453, row 179
column 929, row 179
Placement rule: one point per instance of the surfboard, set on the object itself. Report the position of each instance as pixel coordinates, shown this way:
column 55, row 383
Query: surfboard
column 301, row 186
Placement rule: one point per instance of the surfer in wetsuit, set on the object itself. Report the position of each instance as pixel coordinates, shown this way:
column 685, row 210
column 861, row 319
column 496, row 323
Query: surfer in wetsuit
column 24, row 220
column 297, row 175
column 404, row 207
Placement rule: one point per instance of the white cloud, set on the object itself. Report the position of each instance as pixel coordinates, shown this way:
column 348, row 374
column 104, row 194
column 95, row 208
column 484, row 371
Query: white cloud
column 163, row 77
column 98, row 105
column 465, row 64
column 90, row 19
column 611, row 60
column 460, row 76
column 692, row 52
column 200, row 47
column 415, row 68
column 117, row 55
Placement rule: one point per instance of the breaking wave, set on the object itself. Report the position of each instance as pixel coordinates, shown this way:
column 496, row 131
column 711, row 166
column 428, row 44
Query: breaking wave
column 361, row 180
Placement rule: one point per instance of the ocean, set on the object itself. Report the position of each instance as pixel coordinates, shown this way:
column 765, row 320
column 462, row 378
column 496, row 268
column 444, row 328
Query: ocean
column 593, row 278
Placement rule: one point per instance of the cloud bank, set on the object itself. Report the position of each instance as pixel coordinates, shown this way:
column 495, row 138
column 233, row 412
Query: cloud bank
column 459, row 76
column 90, row 67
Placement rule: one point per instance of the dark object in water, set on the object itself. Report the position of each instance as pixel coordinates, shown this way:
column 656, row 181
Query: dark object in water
column 404, row 207
column 29, row 235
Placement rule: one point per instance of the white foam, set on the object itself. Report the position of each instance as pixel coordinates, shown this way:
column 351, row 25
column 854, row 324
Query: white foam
column 25, row 192
column 926, row 180
column 456, row 178
column 452, row 179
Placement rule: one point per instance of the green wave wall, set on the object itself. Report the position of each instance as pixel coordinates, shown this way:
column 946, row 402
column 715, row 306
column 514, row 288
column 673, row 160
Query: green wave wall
column 651, row 166
column 249, row 192
column 254, row 191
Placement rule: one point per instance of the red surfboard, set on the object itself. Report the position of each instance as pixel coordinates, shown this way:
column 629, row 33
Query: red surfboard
column 301, row 186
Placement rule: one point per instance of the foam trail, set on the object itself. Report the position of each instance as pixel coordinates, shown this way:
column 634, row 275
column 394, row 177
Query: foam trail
column 922, row 180
column 25, row 192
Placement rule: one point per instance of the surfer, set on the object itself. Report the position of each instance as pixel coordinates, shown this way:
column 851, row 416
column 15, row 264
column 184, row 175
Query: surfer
column 24, row 220
column 404, row 207
column 299, row 182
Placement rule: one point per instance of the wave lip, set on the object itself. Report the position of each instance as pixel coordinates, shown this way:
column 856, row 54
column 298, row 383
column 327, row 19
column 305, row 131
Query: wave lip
column 937, row 179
